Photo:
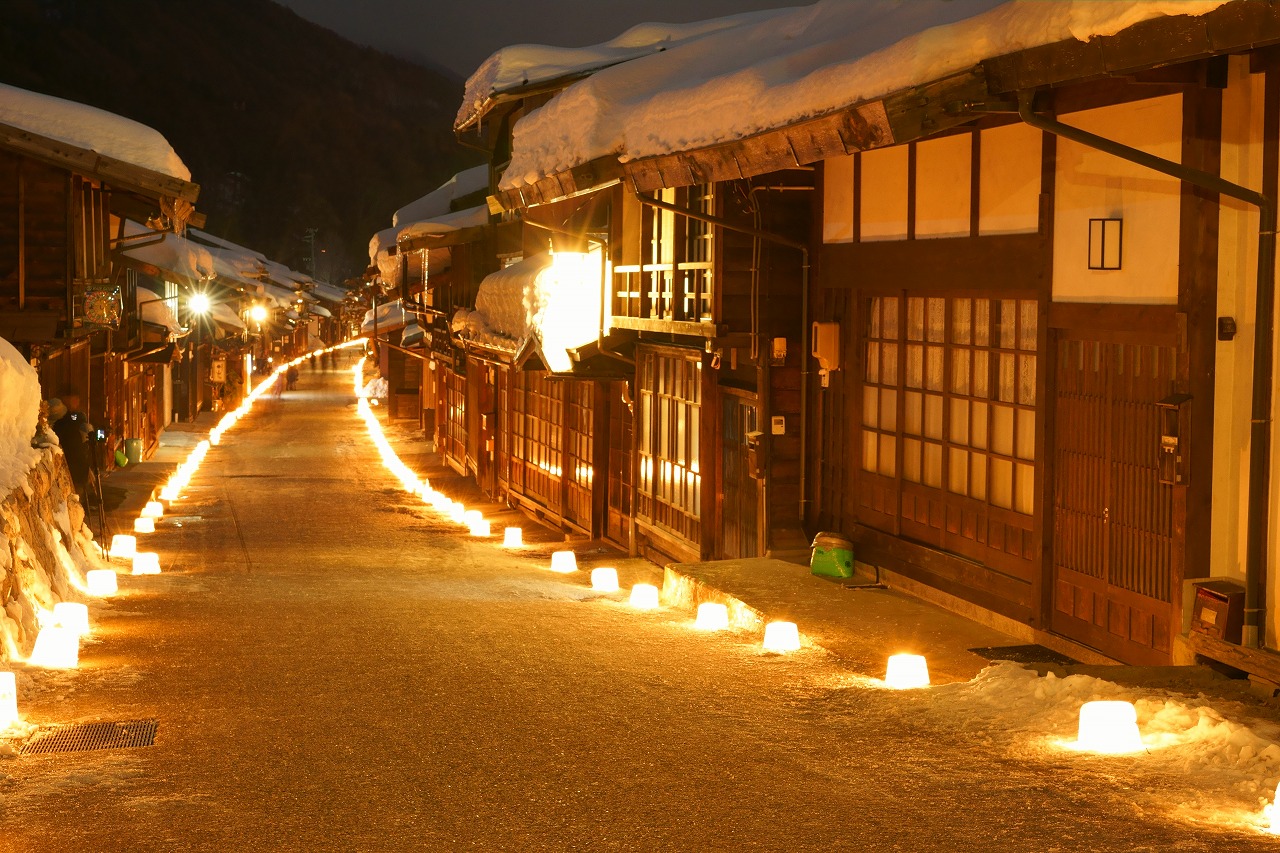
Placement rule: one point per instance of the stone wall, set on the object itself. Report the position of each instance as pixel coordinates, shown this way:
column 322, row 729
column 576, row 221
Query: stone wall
column 45, row 550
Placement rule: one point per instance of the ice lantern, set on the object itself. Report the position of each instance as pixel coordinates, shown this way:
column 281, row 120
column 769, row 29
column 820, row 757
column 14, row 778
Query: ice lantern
column 56, row 648
column 644, row 596
column 123, row 546
column 1275, row 801
column 906, row 672
column 72, row 614
column 101, row 582
column 712, row 617
column 781, row 637
column 146, row 563
column 564, row 562
column 153, row 509
column 144, row 525
column 604, row 579
column 1110, row 727
column 512, row 537
column 8, row 700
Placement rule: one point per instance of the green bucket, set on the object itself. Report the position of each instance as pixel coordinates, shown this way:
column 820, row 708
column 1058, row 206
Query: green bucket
column 832, row 556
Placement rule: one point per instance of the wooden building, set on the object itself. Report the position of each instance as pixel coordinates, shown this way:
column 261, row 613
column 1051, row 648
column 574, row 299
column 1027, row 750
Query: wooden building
column 997, row 327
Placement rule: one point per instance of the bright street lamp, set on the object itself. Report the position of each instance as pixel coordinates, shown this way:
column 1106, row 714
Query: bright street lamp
column 258, row 313
column 199, row 303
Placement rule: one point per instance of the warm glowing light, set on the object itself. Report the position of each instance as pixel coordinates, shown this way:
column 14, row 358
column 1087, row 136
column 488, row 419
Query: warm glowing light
column 907, row 672
column 1110, row 727
column 215, row 437
column 1275, row 801
column 8, row 700
column 712, row 617
column 123, row 546
column 144, row 525
column 564, row 562
column 512, row 537
column 146, row 563
column 781, row 637
column 199, row 303
column 101, row 582
column 258, row 313
column 56, row 648
column 169, row 494
column 644, row 596
column 153, row 509
column 73, row 615
column 472, row 517
column 457, row 513
column 481, row 528
column 604, row 579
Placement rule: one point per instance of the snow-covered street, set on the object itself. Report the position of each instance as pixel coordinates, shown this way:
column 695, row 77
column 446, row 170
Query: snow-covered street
column 334, row 668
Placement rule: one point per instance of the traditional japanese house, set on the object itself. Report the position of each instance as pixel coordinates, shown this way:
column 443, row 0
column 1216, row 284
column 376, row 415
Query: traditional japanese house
column 70, row 176
column 1002, row 332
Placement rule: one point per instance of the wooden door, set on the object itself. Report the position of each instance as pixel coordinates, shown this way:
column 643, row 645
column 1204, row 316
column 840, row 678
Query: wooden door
column 740, row 506
column 1113, row 539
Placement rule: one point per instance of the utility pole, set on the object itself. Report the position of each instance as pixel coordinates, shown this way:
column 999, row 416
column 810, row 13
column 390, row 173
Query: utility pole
column 310, row 259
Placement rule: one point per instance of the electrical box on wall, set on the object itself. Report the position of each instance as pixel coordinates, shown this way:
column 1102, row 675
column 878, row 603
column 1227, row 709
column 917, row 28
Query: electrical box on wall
column 778, row 425
column 824, row 345
column 1175, row 432
column 756, row 461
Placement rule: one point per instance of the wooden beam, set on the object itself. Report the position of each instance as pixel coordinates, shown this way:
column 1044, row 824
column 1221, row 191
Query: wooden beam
column 89, row 163
column 1006, row 263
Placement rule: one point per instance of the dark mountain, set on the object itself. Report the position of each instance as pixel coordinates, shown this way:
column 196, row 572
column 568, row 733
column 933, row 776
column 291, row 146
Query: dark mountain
column 285, row 125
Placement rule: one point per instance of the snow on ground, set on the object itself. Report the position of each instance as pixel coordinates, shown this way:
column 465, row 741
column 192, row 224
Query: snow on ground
column 20, row 391
column 89, row 127
column 785, row 66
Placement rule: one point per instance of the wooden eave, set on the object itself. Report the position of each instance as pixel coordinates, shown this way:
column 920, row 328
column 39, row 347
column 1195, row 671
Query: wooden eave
column 588, row 177
column 117, row 173
column 444, row 239
column 1237, row 27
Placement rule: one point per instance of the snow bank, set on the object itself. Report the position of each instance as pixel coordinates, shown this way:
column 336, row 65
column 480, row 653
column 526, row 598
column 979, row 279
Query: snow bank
column 20, row 395
column 788, row 65
column 89, row 127
column 521, row 65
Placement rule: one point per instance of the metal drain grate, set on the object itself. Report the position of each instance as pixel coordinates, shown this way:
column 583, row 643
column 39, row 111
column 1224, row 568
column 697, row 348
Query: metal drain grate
column 84, row 737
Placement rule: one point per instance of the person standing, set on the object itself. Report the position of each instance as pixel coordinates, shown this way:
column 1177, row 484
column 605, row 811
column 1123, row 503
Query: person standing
column 71, row 430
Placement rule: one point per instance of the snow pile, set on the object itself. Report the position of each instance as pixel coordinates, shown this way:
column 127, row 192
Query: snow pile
column 89, row 127
column 443, row 224
column 391, row 316
column 792, row 64
column 511, row 300
column 1211, row 768
column 19, row 414
column 521, row 65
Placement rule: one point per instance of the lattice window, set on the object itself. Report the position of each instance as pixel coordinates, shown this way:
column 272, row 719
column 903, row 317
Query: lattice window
column 671, row 276
column 537, row 437
column 669, row 443
column 950, row 395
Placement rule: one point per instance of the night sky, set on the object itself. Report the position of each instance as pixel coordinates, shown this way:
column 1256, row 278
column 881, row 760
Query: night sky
column 458, row 35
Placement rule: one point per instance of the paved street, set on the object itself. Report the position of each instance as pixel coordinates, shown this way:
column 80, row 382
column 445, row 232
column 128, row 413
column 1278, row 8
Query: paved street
column 333, row 669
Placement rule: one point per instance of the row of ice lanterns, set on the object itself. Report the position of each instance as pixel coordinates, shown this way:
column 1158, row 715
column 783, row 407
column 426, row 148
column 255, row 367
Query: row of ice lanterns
column 1109, row 727
column 57, row 644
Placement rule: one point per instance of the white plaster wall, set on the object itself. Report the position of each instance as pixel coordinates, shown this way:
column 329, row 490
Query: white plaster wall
column 884, row 194
column 943, row 186
column 1092, row 184
column 837, row 200
column 1009, row 180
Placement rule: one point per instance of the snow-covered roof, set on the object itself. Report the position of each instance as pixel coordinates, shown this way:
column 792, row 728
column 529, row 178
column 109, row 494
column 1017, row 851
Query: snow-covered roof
column 439, row 201
column 456, row 221
column 522, row 66
column 174, row 254
column 391, row 316
column 154, row 309
column 20, row 390
column 381, row 242
column 282, row 297
column 329, row 292
column 91, row 128
column 781, row 67
column 226, row 315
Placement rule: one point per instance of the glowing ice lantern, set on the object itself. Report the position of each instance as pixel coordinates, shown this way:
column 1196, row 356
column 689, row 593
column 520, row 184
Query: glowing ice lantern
column 564, row 562
column 1110, row 727
column 169, row 494
column 146, row 563
column 906, row 672
column 604, row 579
column 153, row 509
column 712, row 617
column 123, row 546
column 781, row 637
column 481, row 528
column 56, row 648
column 73, row 615
column 101, row 582
column 472, row 517
column 512, row 537
column 457, row 513
column 144, row 525
column 644, row 596
column 8, row 700
column 1275, row 801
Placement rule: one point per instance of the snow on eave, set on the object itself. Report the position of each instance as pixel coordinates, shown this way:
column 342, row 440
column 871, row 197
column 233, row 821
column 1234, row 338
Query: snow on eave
column 449, row 222
column 524, row 69
column 84, row 129
column 440, row 201
column 796, row 65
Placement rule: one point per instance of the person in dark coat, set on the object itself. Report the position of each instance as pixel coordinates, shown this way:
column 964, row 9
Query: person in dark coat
column 71, row 429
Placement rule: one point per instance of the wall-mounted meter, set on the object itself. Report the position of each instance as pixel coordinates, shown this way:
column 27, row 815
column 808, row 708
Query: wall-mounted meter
column 824, row 345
